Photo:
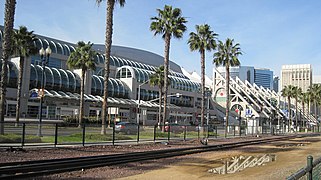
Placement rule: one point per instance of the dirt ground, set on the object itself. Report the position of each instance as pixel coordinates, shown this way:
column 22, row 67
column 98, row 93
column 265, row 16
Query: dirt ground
column 290, row 157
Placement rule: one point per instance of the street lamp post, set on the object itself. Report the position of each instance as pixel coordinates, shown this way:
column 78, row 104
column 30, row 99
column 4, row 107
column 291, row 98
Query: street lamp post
column 138, row 98
column 44, row 55
column 208, row 108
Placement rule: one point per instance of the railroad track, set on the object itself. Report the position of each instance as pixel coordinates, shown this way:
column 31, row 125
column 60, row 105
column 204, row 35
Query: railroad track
column 16, row 170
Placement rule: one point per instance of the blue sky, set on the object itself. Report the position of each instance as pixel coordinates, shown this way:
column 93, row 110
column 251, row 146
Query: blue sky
column 271, row 32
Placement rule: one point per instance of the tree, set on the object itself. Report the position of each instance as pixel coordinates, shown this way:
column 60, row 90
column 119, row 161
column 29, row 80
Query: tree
column 169, row 23
column 108, row 43
column 203, row 39
column 10, row 8
column 23, row 45
column 314, row 91
column 157, row 79
column 304, row 98
column 287, row 92
column 82, row 58
column 227, row 55
column 296, row 91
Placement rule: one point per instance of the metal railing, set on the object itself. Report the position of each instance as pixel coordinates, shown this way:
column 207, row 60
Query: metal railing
column 311, row 172
column 54, row 134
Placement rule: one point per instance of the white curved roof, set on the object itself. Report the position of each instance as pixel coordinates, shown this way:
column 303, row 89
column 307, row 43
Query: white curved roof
column 194, row 76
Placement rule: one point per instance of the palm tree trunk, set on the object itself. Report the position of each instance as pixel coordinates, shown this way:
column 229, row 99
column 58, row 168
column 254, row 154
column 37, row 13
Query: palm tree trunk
column 303, row 120
column 166, row 63
column 21, row 66
column 203, row 86
column 10, row 7
column 108, row 43
column 160, row 106
column 227, row 87
column 296, row 113
column 289, row 109
column 315, row 109
column 81, row 106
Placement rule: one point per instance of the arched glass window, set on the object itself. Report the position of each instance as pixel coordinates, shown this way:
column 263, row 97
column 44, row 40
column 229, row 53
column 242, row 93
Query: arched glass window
column 33, row 77
column 72, row 80
column 93, row 86
column 117, row 63
column 64, row 81
column 135, row 64
column 130, row 63
column 13, row 75
column 121, row 62
column 53, row 47
column 72, row 48
column 49, row 79
column 143, row 77
column 99, row 85
column 60, row 50
column 112, row 61
column 66, row 49
column 111, row 92
column 45, row 43
column 101, row 58
column 96, row 59
column 38, row 43
column 1, row 35
column 57, row 79
column 122, row 91
column 116, row 87
column 78, row 80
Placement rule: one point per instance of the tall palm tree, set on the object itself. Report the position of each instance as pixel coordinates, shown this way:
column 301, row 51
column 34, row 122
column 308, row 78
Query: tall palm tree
column 287, row 92
column 157, row 79
column 108, row 43
column 203, row 40
column 10, row 8
column 23, row 46
column 82, row 58
column 314, row 91
column 296, row 92
column 304, row 98
column 227, row 55
column 169, row 23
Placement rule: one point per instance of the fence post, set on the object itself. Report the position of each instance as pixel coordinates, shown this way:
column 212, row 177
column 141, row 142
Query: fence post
column 185, row 133
column 240, row 129
column 113, row 141
column 198, row 132
column 207, row 131
column 309, row 167
column 138, row 127
column 23, row 134
column 56, row 134
column 215, row 131
column 252, row 129
column 234, row 130
column 83, row 134
column 168, row 132
column 155, row 133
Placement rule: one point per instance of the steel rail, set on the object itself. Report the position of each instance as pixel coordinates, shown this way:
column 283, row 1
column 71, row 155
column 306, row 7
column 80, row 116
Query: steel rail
column 45, row 167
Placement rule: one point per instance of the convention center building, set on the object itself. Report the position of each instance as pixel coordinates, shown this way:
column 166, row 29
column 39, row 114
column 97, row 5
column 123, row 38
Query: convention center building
column 130, row 70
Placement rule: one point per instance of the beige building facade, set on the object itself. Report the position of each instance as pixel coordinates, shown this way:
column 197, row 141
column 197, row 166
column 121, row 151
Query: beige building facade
column 297, row 75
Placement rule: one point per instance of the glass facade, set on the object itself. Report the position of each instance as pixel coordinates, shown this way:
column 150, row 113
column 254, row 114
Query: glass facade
column 116, row 88
column 12, row 75
column 142, row 75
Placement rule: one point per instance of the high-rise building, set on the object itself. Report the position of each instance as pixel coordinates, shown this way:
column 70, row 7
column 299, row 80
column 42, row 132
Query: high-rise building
column 297, row 75
column 259, row 76
column 276, row 80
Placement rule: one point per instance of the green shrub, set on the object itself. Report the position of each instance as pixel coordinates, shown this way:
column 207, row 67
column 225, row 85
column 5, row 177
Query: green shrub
column 15, row 138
